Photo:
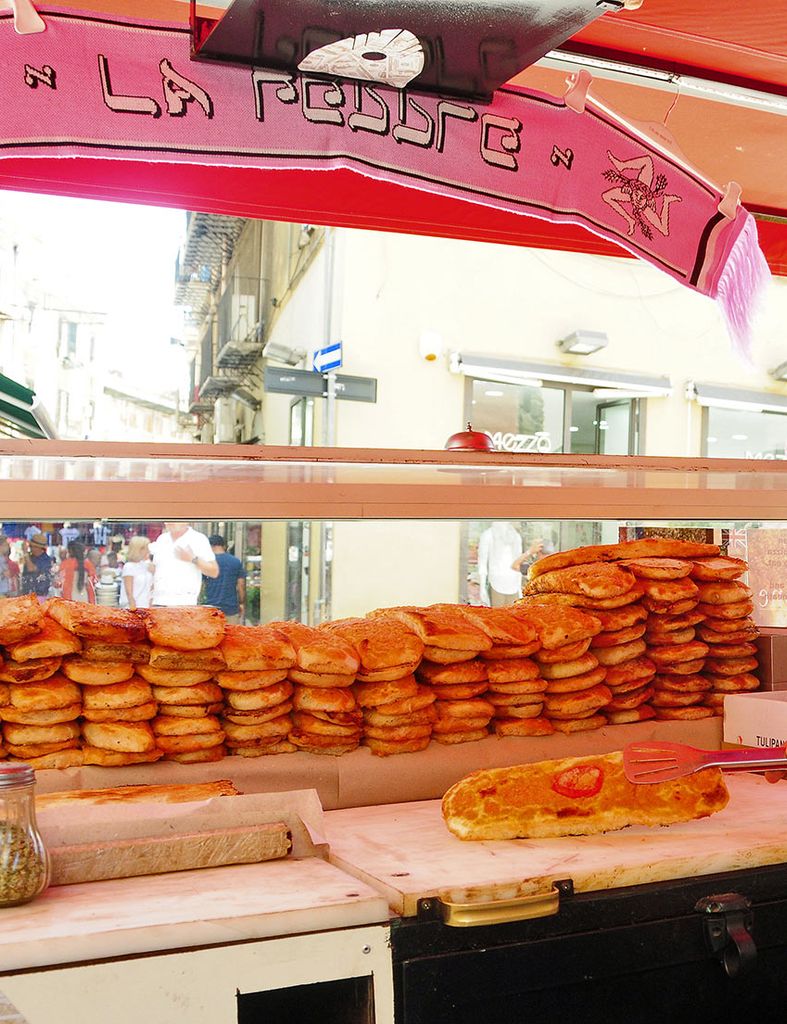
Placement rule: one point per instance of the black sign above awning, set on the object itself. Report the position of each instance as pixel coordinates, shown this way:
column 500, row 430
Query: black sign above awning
column 464, row 49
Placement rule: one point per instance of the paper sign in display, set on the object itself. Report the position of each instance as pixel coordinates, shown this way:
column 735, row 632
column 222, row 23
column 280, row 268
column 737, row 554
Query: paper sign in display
column 766, row 552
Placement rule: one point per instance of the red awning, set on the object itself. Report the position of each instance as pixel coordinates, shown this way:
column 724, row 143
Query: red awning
column 725, row 41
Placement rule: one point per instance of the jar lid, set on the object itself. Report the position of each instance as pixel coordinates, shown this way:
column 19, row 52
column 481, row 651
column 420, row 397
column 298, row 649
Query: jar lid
column 16, row 775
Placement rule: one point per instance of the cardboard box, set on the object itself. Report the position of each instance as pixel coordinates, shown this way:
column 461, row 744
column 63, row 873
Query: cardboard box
column 772, row 655
column 755, row 719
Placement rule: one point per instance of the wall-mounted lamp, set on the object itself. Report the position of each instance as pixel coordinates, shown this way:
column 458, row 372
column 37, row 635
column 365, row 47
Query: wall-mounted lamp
column 780, row 373
column 583, row 343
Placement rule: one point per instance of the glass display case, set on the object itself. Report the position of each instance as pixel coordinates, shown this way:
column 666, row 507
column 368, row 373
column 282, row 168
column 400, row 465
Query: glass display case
column 328, row 533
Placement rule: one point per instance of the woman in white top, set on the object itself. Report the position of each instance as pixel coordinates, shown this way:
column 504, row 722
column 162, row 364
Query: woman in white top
column 137, row 578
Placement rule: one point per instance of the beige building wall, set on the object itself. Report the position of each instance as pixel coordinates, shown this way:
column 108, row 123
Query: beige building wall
column 517, row 303
column 499, row 301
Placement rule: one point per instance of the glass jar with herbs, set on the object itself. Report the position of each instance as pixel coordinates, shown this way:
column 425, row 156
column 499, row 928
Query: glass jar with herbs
column 24, row 864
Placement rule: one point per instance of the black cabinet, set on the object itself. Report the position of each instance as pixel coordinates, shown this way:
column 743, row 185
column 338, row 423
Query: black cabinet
column 651, row 953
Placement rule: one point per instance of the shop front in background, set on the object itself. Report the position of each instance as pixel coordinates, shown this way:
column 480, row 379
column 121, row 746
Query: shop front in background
column 547, row 418
column 738, row 423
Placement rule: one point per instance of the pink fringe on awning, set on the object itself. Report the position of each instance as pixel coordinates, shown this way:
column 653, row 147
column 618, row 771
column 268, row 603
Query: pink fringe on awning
column 741, row 285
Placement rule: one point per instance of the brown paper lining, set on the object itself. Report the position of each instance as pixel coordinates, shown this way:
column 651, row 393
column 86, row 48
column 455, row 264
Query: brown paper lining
column 360, row 779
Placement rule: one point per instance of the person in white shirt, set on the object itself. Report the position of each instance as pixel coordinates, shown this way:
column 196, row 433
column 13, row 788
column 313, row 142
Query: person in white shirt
column 498, row 583
column 137, row 577
column 181, row 556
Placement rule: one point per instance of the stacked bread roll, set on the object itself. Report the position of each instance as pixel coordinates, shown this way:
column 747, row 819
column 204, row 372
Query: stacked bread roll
column 394, row 712
column 514, row 687
column 670, row 601
column 257, row 693
column 629, row 679
column 452, row 666
column 727, row 628
column 41, row 706
column 611, row 633
column 323, row 674
column 119, row 706
column 187, row 727
column 573, row 678
column 675, row 585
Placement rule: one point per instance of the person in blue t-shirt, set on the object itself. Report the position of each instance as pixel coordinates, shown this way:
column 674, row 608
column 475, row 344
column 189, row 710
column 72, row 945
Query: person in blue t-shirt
column 228, row 590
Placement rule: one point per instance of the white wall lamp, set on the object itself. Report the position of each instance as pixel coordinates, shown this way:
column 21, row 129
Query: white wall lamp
column 583, row 343
column 431, row 345
column 283, row 353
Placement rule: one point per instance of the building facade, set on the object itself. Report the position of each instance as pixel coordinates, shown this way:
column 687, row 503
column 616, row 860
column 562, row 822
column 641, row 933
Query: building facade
column 547, row 351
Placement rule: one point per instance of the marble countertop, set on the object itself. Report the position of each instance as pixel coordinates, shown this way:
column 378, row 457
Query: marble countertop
column 105, row 920
column 406, row 852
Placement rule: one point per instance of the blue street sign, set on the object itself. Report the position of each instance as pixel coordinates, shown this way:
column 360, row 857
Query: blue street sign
column 329, row 358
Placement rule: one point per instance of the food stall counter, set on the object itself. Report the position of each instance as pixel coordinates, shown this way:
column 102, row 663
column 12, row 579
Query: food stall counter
column 199, row 942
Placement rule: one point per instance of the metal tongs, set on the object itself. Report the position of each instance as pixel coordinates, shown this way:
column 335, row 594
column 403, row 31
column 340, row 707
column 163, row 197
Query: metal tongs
column 661, row 762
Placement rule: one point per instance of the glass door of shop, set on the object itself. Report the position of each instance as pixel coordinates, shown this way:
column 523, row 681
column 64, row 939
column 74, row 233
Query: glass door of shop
column 542, row 417
column 615, row 423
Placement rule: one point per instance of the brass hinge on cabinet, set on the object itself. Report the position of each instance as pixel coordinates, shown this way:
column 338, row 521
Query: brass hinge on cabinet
column 727, row 921
column 477, row 914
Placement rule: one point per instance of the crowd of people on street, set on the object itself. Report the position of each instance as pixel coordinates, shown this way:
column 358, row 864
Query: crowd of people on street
column 180, row 566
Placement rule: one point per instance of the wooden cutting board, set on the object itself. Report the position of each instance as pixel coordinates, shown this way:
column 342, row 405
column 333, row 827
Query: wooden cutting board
column 406, row 853
column 153, row 855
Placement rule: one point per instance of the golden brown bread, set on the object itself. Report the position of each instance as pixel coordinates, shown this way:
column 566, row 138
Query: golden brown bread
column 573, row 796
column 101, row 650
column 210, row 660
column 137, row 713
column 256, row 700
column 166, row 725
column 317, row 651
column 56, row 692
column 502, row 628
column 386, row 648
column 130, row 693
column 118, row 758
column 249, row 680
column 141, row 794
column 29, row 671
column 659, row 568
column 69, row 713
column 592, row 580
column 193, row 628
column 556, row 624
column 20, row 617
column 15, row 733
column 723, row 568
column 721, row 592
column 254, row 717
column 200, row 693
column 172, row 676
column 256, row 648
column 69, row 758
column 97, row 673
column 441, row 626
column 647, row 547
column 113, row 625
column 120, row 737
column 51, row 641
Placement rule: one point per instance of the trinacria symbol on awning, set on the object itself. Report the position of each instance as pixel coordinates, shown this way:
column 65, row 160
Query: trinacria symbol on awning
column 93, row 86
